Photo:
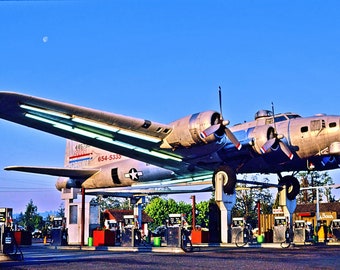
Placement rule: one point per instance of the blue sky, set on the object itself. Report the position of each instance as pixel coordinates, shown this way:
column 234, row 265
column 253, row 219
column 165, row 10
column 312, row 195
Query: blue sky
column 160, row 60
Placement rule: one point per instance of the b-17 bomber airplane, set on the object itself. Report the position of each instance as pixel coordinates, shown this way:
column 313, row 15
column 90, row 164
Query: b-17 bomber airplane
column 106, row 150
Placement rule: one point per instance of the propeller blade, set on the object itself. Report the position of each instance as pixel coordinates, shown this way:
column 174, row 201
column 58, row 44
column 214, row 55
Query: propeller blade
column 220, row 100
column 267, row 145
column 210, row 130
column 232, row 138
column 222, row 123
column 286, row 150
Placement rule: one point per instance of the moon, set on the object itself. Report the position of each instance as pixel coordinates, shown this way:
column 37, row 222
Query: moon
column 45, row 39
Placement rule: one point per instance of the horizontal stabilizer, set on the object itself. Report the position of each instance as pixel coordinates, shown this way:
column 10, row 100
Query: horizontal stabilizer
column 54, row 171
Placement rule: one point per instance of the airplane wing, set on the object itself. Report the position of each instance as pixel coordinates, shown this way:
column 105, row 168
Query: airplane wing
column 53, row 171
column 131, row 137
column 169, row 187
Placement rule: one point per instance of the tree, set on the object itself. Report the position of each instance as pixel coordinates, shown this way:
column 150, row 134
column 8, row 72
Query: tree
column 247, row 198
column 111, row 203
column 265, row 197
column 61, row 210
column 184, row 208
column 315, row 179
column 202, row 217
column 31, row 219
column 159, row 209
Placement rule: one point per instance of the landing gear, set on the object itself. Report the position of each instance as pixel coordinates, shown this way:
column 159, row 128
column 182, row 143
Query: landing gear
column 228, row 177
column 292, row 186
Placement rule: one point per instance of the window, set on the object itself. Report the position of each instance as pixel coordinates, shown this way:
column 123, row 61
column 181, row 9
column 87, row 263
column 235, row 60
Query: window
column 73, row 214
column 280, row 118
column 269, row 121
column 332, row 124
column 315, row 125
column 304, row 129
column 277, row 119
column 292, row 116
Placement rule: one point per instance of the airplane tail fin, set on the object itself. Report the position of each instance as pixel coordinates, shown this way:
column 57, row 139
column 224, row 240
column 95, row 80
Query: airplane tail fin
column 77, row 155
column 80, row 155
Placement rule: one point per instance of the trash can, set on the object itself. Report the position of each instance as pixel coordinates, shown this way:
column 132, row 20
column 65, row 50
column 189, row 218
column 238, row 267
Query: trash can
column 90, row 241
column 260, row 239
column 157, row 241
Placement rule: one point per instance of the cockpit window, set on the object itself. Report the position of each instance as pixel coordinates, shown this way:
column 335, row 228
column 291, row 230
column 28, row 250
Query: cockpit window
column 280, row 118
column 292, row 116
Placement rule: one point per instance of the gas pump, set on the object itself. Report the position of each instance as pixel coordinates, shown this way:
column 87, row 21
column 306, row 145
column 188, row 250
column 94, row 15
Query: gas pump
column 6, row 216
column 300, row 231
column 8, row 244
column 131, row 235
column 7, row 235
column 7, row 240
column 114, row 227
column 335, row 228
column 279, row 229
column 321, row 230
column 174, row 230
column 59, row 234
column 237, row 228
column 127, row 239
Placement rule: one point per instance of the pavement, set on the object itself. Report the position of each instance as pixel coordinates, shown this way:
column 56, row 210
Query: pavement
column 204, row 256
column 17, row 254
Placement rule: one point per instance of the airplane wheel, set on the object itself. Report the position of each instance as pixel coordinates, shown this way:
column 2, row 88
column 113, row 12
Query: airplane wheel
column 229, row 179
column 292, row 186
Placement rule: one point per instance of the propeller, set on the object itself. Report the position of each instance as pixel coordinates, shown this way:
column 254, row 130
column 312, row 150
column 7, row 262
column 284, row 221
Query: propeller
column 222, row 124
column 276, row 138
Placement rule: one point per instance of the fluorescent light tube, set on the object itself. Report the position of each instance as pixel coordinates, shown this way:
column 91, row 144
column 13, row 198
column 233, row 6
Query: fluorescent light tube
column 94, row 124
column 44, row 111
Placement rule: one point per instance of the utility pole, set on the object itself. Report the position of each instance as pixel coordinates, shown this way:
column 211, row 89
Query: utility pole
column 193, row 198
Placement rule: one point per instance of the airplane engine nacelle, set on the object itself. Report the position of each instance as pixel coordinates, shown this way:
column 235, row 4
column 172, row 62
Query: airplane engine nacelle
column 186, row 131
column 65, row 182
column 260, row 136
